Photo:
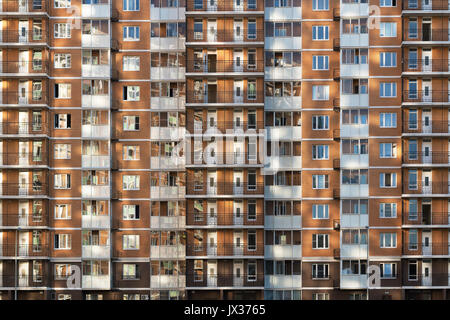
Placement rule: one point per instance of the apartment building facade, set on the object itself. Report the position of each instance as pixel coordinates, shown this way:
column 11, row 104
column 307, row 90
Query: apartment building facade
column 224, row 149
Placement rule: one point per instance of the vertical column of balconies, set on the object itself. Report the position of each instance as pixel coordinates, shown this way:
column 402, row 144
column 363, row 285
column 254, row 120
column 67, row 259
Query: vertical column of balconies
column 283, row 162
column 167, row 158
column 426, row 165
column 24, row 225
column 224, row 144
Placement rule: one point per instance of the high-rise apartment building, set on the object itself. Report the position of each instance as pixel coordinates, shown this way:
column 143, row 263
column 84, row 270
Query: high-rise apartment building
column 224, row 149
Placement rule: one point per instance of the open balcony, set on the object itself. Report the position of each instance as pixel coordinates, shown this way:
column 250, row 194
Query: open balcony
column 22, row 98
column 427, row 158
column 224, row 159
column 22, row 159
column 287, row 251
column 241, row 219
column 426, row 219
column 35, row 190
column 23, row 7
column 22, row 38
column 426, row 66
column 224, row 250
column 426, row 249
column 24, row 250
column 13, row 220
column 226, row 189
column 425, row 34
column 438, row 279
column 32, row 68
column 22, row 129
column 426, row 187
column 225, row 97
column 226, row 280
column 222, row 66
column 425, row 97
column 415, row 6
column 215, row 36
column 222, row 7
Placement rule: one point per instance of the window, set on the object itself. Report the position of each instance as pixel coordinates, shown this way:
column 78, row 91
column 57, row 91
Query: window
column 320, row 63
column 388, row 270
column 131, row 63
column 388, row 240
column 357, row 116
column 320, row 181
column 320, row 211
column 320, row 296
column 388, row 89
column 62, row 211
column 388, row 3
column 63, row 241
column 388, row 120
column 412, row 180
column 251, row 29
column 130, row 33
column 131, row 123
column 412, row 270
column 355, row 146
column 62, row 4
column 131, row 93
column 388, row 29
column 413, row 209
column 62, row 151
column 251, row 240
column 388, row 210
column 320, row 241
column 62, row 271
column 388, row 180
column 130, row 182
column 355, row 236
column 251, row 178
column 320, row 270
column 388, row 150
column 130, row 242
column 62, row 121
column 355, row 86
column 131, row 153
column 412, row 120
column 320, row 123
column 355, row 176
column 251, row 210
column 130, row 212
column 251, row 89
column 63, row 60
column 63, row 90
column 355, row 56
column 130, row 5
column 321, row 5
column 251, row 270
column 62, row 181
column 320, row 92
column 413, row 240
column 320, row 33
column 354, row 26
column 61, row 30
column 320, row 152
column 130, row 271
column 388, row 59
column 355, row 206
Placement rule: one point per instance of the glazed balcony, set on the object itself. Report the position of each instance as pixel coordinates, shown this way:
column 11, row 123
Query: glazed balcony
column 96, row 70
column 428, row 188
column 351, row 190
column 425, row 35
column 167, row 192
column 95, row 251
column 354, row 100
column 283, row 102
column 225, row 97
column 11, row 37
column 224, row 159
column 427, row 158
column 286, row 251
column 23, row 7
column 282, row 192
column 357, row 251
column 353, row 281
column 101, row 9
column 167, row 43
column 96, row 101
column 225, row 280
column 162, row 132
column 426, row 96
column 101, row 40
column 277, row 133
column 167, row 281
column 164, row 12
column 223, row 127
column 282, row 221
column 168, row 73
column 226, row 189
column 242, row 219
column 32, row 68
column 168, row 252
column 169, row 103
column 354, row 130
column 419, row 5
column 96, row 131
column 351, row 9
column 225, row 66
column 354, row 39
column 276, row 163
column 429, row 127
column 427, row 66
column 14, row 220
column 354, row 220
column 90, row 221
column 426, row 219
column 168, row 222
column 215, row 36
column 282, row 73
column 95, row 161
column 36, row 189
column 16, row 98
column 224, row 250
column 101, row 282
column 22, row 159
column 349, row 70
column 424, row 249
column 24, row 250
column 222, row 7
column 95, row 191
column 168, row 163
column 283, row 281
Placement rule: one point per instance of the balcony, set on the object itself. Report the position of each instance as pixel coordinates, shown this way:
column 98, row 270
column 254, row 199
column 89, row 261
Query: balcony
column 24, row 250
column 23, row 159
column 96, row 282
column 415, row 36
column 354, row 190
column 92, row 191
column 96, row 70
column 101, row 40
column 22, row 38
column 426, row 280
column 276, row 163
column 225, row 97
column 427, row 158
column 22, row 129
column 90, row 221
column 354, row 130
column 350, row 70
column 241, row 219
column 282, row 192
column 167, row 163
column 168, row 103
column 283, row 103
column 167, row 133
column 35, row 281
column 224, row 159
column 282, row 282
column 354, row 100
column 167, row 192
column 96, row 101
column 424, row 249
column 282, row 73
column 226, row 280
column 168, row 222
column 280, row 13
column 222, row 7
column 354, row 220
column 215, row 36
column 283, row 42
column 36, row 189
column 283, row 251
column 12, row 220
column 167, row 43
column 168, row 252
column 426, row 219
column 32, row 68
column 282, row 222
column 95, row 252
column 221, row 66
column 418, row 5
column 98, row 10
column 226, row 189
column 167, row 13
column 167, row 281
column 428, row 188
column 294, row 133
column 354, row 281
column 168, row 73
column 224, row 127
column 354, row 161
column 425, row 97
column 23, row 98
column 25, row 7
column 357, row 251
column 95, row 161
column 224, row 250
column 97, row 131
column 349, row 9
column 354, row 39
column 427, row 66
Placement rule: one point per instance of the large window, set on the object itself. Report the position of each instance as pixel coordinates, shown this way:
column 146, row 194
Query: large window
column 388, row 89
column 321, row 5
column 320, row 211
column 388, row 240
column 320, row 33
column 131, row 242
column 388, row 29
column 61, row 30
column 131, row 182
column 320, row 241
column 131, row 33
column 130, row 5
column 321, row 92
column 320, row 181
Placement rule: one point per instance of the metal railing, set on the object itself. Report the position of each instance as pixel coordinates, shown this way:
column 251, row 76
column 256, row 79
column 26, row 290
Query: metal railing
column 426, row 249
column 225, row 158
column 26, row 159
column 197, row 126
column 423, row 187
column 23, row 220
column 22, row 36
column 426, row 34
column 430, row 218
column 26, row 128
column 26, row 97
column 429, row 126
column 23, row 189
column 426, row 96
column 222, row 5
column 224, row 66
column 224, row 280
column 426, row 65
column 225, row 249
column 224, row 219
column 420, row 5
column 225, row 96
column 23, row 6
column 223, row 35
column 24, row 250
column 431, row 157
column 225, row 188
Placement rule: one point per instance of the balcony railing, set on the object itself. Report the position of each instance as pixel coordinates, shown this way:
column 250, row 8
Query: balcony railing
column 225, row 249
column 22, row 128
column 424, row 187
column 225, row 158
column 194, row 127
column 426, row 249
column 431, row 279
column 9, row 36
column 222, row 5
column 24, row 250
column 224, row 280
column 426, row 34
column 225, row 219
column 23, row 6
column 224, row 66
column 224, row 36
column 24, row 281
column 430, row 126
column 432, row 157
column 223, row 96
column 426, row 96
column 23, row 220
column 420, row 5
column 25, row 97
column 32, row 67
column 426, row 219
column 426, row 65
column 22, row 159
column 23, row 189
column 226, row 188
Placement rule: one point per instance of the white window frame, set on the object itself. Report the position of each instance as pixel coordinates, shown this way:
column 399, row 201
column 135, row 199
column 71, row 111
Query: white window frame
column 126, row 33
column 320, row 211
column 383, row 240
column 393, row 30
column 320, row 61
column 393, row 179
column 316, row 151
column 386, row 118
column 325, row 32
column 64, row 207
column 325, row 240
column 320, row 90
column 62, row 61
column 130, row 242
column 62, row 31
column 131, row 63
column 133, row 182
column 393, row 210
